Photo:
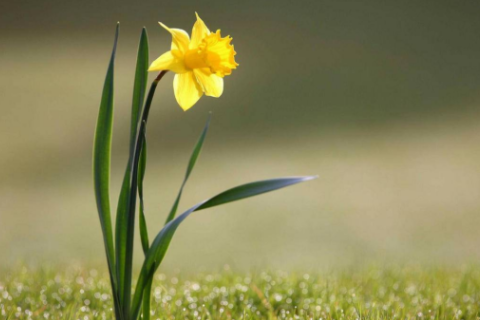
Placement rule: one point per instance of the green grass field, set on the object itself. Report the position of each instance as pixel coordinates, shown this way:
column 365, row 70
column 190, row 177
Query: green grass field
column 410, row 292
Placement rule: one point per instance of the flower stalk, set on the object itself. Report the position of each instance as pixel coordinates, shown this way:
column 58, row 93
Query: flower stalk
column 139, row 141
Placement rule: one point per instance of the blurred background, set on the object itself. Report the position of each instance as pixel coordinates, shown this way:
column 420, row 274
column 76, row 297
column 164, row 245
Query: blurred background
column 381, row 99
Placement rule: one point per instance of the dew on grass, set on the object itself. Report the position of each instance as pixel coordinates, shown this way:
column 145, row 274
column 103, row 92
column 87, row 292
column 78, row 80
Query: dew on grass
column 378, row 294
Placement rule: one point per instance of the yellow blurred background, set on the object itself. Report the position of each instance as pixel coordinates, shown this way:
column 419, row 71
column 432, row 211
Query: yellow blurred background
column 381, row 99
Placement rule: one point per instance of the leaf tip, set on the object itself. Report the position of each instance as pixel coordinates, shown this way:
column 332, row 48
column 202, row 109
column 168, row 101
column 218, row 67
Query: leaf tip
column 117, row 29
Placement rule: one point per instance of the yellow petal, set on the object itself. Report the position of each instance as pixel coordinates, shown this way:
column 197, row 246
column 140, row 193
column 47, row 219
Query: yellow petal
column 199, row 32
column 180, row 39
column 168, row 61
column 211, row 84
column 187, row 90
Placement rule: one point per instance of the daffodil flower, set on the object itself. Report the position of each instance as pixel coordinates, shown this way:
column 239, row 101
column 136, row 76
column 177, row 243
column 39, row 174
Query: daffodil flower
column 200, row 63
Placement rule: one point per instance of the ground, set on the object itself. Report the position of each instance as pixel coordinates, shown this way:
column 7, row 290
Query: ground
column 409, row 292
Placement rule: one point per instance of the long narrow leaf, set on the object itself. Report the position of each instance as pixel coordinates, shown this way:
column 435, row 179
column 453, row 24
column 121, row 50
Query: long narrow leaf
column 132, row 196
column 173, row 211
column 120, row 237
column 146, row 302
column 140, row 84
column 147, row 298
column 162, row 240
column 142, row 164
column 124, row 229
column 141, row 175
column 191, row 165
column 143, row 222
column 101, row 168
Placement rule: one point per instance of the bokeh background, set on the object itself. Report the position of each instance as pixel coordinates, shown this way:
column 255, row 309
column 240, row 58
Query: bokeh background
column 381, row 99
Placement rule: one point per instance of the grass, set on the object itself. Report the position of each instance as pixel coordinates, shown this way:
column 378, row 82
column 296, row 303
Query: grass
column 410, row 292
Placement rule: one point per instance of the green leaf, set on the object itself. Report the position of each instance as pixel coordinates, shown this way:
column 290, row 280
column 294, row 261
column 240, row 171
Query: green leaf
column 120, row 236
column 146, row 301
column 162, row 240
column 143, row 223
column 191, row 165
column 142, row 164
column 141, row 175
column 140, row 84
column 147, row 298
column 173, row 211
column 101, row 167
column 124, row 228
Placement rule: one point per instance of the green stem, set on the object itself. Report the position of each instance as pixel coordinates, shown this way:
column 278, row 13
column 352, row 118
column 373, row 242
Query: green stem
column 133, row 195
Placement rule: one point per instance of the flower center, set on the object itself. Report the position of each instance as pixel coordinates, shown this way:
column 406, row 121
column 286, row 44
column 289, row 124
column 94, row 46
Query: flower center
column 214, row 53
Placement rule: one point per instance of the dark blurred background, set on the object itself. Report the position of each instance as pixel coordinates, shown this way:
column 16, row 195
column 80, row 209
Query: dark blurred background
column 381, row 99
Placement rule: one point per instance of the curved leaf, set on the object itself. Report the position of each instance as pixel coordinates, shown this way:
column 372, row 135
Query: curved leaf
column 160, row 245
column 191, row 165
column 140, row 84
column 142, row 164
column 124, row 228
column 101, row 167
column 147, row 297
column 171, row 215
